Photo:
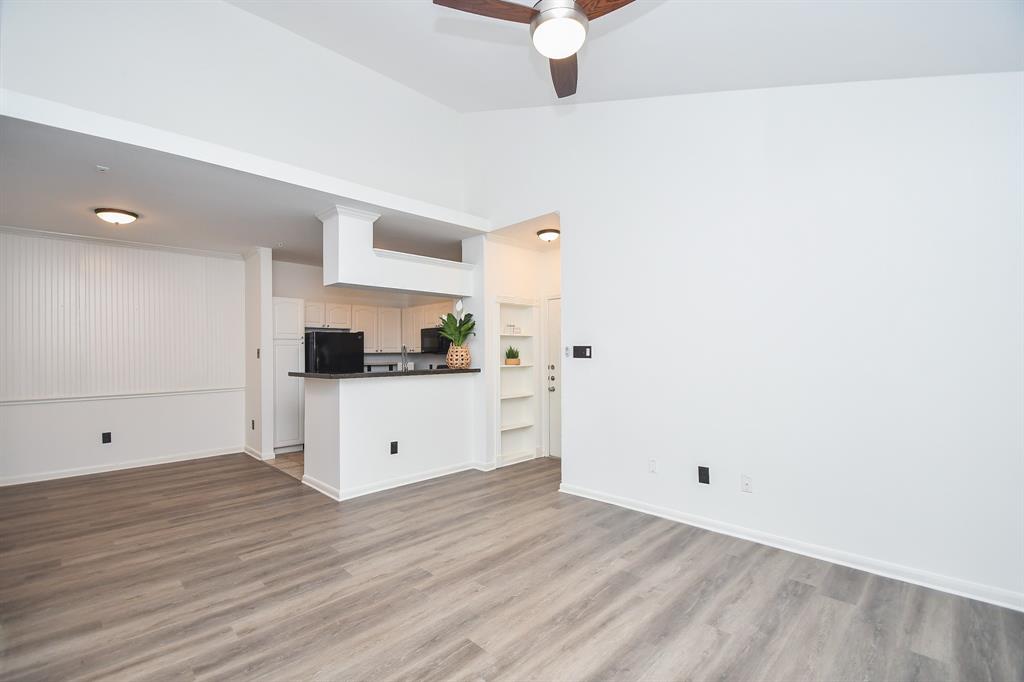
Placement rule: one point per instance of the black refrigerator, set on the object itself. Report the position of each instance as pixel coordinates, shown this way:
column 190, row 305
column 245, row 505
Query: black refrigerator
column 330, row 351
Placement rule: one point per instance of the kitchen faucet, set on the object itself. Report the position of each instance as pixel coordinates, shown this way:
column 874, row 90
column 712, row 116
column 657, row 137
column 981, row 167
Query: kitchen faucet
column 405, row 365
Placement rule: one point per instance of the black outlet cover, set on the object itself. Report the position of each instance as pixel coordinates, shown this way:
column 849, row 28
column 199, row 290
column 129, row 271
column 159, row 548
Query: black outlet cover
column 394, row 447
column 704, row 475
column 105, row 437
column 581, row 352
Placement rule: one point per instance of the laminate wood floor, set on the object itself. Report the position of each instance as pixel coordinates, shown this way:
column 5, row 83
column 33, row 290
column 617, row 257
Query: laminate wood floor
column 293, row 464
column 224, row 568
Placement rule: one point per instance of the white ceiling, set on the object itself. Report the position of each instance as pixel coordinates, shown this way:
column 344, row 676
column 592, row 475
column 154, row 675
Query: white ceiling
column 663, row 47
column 49, row 181
column 524, row 234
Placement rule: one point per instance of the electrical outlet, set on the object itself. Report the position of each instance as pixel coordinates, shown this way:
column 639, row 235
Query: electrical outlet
column 394, row 447
column 105, row 437
column 704, row 475
column 746, row 485
column 652, row 466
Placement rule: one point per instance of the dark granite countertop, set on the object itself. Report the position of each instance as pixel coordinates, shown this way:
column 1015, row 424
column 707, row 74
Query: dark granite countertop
column 381, row 375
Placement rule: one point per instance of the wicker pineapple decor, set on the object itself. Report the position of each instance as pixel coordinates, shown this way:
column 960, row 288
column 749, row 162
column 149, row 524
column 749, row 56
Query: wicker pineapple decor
column 458, row 357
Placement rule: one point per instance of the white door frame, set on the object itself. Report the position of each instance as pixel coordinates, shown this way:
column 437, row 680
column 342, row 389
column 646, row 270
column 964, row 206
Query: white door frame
column 545, row 340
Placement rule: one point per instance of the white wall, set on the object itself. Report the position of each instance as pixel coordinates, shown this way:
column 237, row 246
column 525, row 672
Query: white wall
column 212, row 71
column 819, row 287
column 144, row 343
column 259, row 357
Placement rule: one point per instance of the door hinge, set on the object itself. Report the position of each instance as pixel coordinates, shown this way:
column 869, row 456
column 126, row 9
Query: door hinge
column 257, row 353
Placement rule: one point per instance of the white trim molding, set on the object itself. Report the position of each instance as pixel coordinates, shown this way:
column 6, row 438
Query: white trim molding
column 381, row 486
column 321, row 487
column 963, row 588
column 118, row 466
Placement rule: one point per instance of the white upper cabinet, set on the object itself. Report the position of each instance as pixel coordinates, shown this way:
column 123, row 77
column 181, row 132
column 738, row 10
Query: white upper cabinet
column 389, row 337
column 412, row 323
column 339, row 316
column 439, row 310
column 289, row 316
column 364, row 319
column 315, row 314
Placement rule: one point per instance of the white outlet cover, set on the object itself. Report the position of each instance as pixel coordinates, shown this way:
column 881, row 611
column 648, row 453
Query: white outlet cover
column 746, row 484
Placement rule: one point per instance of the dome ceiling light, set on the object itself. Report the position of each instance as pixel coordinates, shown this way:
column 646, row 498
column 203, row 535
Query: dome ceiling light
column 549, row 234
column 116, row 216
column 557, row 28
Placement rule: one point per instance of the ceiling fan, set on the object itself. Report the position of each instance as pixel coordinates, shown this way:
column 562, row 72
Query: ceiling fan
column 558, row 28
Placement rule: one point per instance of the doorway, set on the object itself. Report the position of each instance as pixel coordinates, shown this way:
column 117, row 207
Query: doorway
column 553, row 373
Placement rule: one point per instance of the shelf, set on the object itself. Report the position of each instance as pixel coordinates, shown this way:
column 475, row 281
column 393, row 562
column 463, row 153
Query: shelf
column 514, row 427
column 514, row 396
column 517, row 336
column 514, row 366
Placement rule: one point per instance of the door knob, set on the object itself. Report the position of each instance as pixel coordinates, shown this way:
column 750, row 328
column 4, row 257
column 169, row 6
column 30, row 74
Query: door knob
column 552, row 377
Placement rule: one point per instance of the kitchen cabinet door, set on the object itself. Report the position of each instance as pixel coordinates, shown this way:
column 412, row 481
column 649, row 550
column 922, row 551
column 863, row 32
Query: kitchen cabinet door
column 364, row 319
column 315, row 314
column 442, row 310
column 289, row 356
column 339, row 315
column 288, row 318
column 389, row 339
column 412, row 323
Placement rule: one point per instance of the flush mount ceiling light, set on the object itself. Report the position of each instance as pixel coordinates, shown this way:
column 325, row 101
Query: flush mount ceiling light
column 116, row 216
column 548, row 235
column 557, row 27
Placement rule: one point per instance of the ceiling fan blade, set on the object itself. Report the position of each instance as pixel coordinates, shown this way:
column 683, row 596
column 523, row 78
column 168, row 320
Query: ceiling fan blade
column 598, row 8
column 563, row 75
column 496, row 9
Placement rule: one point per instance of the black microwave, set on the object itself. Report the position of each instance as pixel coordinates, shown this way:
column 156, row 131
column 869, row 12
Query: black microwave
column 431, row 341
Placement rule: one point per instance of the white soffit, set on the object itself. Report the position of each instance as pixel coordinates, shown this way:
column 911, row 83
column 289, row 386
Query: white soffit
column 49, row 181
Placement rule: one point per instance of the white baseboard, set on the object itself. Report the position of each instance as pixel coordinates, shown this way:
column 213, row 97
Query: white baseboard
column 349, row 493
column 507, row 461
column 117, row 466
column 964, row 588
column 321, row 487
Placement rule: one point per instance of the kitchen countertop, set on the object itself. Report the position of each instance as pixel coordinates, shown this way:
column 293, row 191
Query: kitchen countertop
column 376, row 375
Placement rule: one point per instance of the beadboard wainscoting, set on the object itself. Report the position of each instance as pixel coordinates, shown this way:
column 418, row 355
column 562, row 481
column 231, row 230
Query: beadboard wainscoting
column 144, row 343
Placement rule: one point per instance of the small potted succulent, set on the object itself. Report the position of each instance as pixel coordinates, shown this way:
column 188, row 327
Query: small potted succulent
column 512, row 356
column 458, row 330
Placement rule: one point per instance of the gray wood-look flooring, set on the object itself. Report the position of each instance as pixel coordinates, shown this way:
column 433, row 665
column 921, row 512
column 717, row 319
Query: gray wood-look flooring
column 225, row 568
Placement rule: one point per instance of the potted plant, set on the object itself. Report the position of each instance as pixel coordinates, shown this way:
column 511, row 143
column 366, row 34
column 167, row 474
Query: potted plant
column 458, row 330
column 512, row 356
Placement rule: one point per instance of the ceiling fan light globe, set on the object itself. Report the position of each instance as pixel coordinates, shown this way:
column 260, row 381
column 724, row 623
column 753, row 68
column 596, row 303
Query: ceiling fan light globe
column 559, row 28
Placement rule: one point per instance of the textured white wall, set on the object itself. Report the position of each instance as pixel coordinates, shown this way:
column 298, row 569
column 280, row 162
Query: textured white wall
column 819, row 287
column 85, row 321
column 86, row 318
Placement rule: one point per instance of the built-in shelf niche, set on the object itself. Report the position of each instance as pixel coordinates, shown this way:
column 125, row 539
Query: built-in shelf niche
column 519, row 411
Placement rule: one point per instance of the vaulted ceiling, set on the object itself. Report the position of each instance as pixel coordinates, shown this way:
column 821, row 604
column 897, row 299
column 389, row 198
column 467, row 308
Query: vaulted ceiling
column 654, row 48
